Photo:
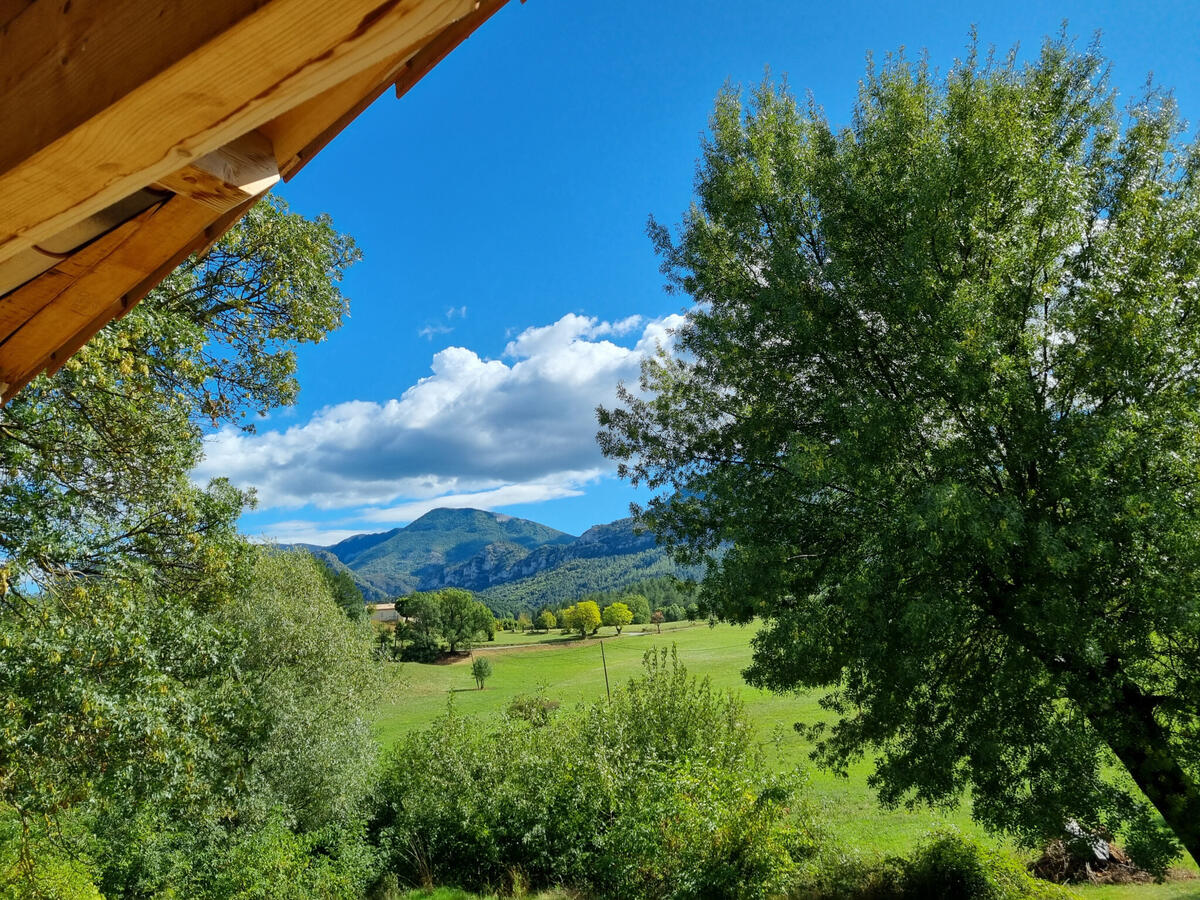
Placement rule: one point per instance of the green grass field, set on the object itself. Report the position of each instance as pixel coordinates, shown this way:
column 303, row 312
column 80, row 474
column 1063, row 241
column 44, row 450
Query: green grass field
column 570, row 671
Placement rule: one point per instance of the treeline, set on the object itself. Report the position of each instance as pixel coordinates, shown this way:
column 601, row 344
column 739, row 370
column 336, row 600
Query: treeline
column 663, row 592
column 576, row 578
column 673, row 601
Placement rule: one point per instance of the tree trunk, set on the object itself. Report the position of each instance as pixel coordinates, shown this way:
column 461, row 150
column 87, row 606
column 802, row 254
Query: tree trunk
column 1128, row 726
column 1141, row 743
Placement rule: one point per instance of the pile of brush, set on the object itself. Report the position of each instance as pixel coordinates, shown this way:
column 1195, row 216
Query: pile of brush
column 1083, row 858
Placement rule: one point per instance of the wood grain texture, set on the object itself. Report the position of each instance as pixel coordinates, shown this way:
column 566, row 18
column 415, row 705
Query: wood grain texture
column 21, row 305
column 258, row 61
column 139, row 250
column 228, row 177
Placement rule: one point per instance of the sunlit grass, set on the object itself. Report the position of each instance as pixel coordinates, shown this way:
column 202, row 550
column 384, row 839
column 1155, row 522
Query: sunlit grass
column 571, row 671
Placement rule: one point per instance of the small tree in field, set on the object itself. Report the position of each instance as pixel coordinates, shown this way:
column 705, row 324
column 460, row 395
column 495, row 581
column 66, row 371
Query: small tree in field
column 639, row 606
column 546, row 620
column 618, row 615
column 481, row 670
column 657, row 619
column 524, row 622
column 583, row 617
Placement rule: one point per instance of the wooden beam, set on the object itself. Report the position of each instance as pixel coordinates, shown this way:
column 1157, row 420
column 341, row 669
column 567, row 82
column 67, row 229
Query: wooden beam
column 60, row 312
column 227, row 178
column 439, row 48
column 201, row 243
column 194, row 87
column 25, row 302
column 99, row 290
column 300, row 129
column 310, row 127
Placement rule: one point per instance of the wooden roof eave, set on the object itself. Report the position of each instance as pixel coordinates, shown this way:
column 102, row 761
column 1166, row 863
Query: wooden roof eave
column 195, row 138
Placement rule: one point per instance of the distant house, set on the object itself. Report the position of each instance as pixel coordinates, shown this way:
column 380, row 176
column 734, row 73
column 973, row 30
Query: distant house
column 385, row 612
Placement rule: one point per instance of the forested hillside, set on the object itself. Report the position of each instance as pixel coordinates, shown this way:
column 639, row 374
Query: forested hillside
column 514, row 563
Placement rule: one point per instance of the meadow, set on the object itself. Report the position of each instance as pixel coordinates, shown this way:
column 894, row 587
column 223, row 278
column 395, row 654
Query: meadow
column 571, row 671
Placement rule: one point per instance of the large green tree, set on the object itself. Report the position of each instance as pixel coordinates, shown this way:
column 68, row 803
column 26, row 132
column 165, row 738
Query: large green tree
column 938, row 397
column 132, row 674
column 462, row 618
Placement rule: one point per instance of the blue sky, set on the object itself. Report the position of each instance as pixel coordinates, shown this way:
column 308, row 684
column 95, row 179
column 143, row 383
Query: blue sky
column 507, row 282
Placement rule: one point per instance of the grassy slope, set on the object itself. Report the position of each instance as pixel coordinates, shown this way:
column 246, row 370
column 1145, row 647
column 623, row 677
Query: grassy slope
column 570, row 671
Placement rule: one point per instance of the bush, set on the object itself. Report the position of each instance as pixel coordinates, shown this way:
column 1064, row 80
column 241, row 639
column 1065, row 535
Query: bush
column 536, row 709
column 952, row 866
column 658, row 793
column 274, row 863
column 423, row 648
column 674, row 613
column 945, row 865
column 284, row 690
column 46, row 869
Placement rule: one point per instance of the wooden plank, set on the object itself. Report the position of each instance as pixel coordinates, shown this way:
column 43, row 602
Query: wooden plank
column 214, row 233
column 200, row 243
column 10, row 9
column 256, row 68
column 297, row 129
column 303, row 132
column 118, row 308
column 65, row 62
column 158, row 237
column 25, row 266
column 228, row 177
column 21, row 305
column 439, row 48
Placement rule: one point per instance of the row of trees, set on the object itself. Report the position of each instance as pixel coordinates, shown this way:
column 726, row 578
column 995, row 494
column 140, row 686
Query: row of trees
column 611, row 614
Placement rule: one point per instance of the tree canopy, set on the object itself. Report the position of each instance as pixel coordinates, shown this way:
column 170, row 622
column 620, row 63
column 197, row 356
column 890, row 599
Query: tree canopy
column 937, row 396
column 463, row 618
column 158, row 671
column 616, row 615
column 583, row 617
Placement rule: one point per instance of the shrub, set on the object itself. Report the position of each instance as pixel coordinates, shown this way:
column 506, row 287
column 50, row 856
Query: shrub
column 536, row 710
column 945, row 865
column 674, row 613
column 423, row 648
column 658, row 793
column 954, row 867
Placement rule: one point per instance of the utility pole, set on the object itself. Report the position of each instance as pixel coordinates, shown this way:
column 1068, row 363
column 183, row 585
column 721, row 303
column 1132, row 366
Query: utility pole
column 604, row 662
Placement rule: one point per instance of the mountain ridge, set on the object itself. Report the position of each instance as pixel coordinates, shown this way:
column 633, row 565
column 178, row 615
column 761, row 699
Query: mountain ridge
column 514, row 563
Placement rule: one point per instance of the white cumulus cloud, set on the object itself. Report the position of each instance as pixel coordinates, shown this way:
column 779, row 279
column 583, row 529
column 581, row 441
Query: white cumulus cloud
column 476, row 432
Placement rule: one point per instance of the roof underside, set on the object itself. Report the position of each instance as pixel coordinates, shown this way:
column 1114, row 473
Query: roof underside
column 138, row 132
